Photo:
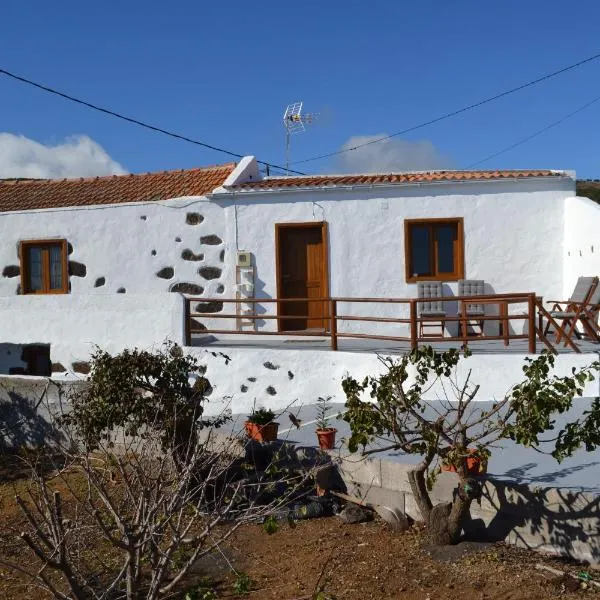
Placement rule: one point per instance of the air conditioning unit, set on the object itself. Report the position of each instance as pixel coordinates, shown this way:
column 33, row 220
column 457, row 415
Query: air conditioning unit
column 244, row 258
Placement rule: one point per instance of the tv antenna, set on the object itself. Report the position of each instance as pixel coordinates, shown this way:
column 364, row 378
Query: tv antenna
column 294, row 122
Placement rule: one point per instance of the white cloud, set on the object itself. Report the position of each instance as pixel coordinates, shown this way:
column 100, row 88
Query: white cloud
column 390, row 155
column 77, row 156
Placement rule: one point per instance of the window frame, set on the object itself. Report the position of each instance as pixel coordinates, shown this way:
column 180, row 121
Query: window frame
column 459, row 249
column 24, row 246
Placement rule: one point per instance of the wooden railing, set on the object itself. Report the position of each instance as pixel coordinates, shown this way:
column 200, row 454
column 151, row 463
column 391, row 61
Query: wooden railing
column 332, row 319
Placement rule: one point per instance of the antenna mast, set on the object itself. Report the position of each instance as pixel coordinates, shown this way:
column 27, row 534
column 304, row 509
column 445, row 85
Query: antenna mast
column 294, row 122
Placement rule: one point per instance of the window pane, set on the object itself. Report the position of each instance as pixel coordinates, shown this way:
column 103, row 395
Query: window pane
column 420, row 249
column 55, row 268
column 445, row 235
column 35, row 269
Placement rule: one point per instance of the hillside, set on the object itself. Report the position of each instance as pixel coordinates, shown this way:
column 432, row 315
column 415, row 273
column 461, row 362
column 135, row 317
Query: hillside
column 590, row 188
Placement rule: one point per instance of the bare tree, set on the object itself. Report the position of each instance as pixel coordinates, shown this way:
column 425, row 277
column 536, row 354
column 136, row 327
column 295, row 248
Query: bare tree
column 143, row 484
column 125, row 522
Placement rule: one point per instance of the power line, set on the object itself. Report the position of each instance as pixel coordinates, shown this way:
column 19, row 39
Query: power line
column 453, row 113
column 112, row 113
column 534, row 135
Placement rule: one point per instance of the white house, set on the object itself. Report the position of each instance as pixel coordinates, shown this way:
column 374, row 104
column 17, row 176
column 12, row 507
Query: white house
column 109, row 260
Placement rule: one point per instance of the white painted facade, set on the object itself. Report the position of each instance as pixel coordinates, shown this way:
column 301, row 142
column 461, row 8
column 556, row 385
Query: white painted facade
column 521, row 235
column 513, row 234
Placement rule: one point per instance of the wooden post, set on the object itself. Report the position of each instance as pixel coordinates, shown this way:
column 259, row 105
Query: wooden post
column 505, row 323
column 532, row 331
column 413, row 325
column 187, row 332
column 333, row 321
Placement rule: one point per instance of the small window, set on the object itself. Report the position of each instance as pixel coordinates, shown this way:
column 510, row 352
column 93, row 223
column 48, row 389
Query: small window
column 44, row 267
column 434, row 249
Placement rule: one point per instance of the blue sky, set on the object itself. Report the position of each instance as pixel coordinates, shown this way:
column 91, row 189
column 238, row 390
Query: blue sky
column 223, row 72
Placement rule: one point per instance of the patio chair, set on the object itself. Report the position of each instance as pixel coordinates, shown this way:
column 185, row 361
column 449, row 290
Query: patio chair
column 585, row 313
column 472, row 311
column 431, row 313
column 582, row 292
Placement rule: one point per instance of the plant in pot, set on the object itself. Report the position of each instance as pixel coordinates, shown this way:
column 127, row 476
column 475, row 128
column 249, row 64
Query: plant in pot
column 325, row 433
column 260, row 425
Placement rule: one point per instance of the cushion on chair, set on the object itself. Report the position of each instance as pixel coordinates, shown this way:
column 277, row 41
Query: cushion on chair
column 433, row 313
column 475, row 312
column 563, row 315
column 472, row 287
column 430, row 290
column 582, row 289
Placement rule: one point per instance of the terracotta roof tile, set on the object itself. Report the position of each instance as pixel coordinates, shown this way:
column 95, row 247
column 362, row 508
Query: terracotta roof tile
column 286, row 183
column 32, row 194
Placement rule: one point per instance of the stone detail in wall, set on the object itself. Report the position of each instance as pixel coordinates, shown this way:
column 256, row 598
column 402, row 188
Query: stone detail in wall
column 177, row 239
column 196, row 326
column 153, row 252
column 11, row 271
column 143, row 217
column 187, row 254
column 270, row 365
column 58, row 368
column 220, row 288
column 18, row 289
column 166, row 273
column 211, row 240
column 290, row 375
column 69, row 248
column 210, row 272
column 243, row 388
column 81, row 366
column 185, row 287
column 100, row 282
column 222, row 255
column 251, row 379
column 121, row 290
column 271, row 391
column 209, row 307
column 194, row 218
column 77, row 269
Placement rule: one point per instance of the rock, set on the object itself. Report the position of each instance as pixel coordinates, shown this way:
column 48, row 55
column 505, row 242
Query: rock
column 353, row 513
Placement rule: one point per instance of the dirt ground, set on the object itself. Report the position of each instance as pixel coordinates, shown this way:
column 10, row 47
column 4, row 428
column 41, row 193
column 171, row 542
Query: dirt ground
column 368, row 561
column 347, row 562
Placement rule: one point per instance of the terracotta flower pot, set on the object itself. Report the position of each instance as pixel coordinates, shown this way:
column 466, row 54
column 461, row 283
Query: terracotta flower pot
column 475, row 465
column 262, row 433
column 326, row 438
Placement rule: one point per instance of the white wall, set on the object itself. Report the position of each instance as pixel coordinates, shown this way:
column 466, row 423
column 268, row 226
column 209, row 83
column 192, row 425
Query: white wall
column 513, row 235
column 317, row 373
column 581, row 254
column 74, row 324
column 127, row 244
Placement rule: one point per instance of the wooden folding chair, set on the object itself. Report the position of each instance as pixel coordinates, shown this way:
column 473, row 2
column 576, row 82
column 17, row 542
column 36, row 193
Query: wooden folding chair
column 585, row 313
column 566, row 310
column 431, row 312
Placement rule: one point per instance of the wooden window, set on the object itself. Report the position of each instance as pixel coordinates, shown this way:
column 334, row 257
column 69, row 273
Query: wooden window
column 434, row 249
column 44, row 267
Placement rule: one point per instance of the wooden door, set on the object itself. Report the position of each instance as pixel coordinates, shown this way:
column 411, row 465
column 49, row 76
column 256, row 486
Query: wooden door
column 301, row 254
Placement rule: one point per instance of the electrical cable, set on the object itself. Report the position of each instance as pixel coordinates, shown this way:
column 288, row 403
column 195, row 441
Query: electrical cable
column 453, row 113
column 534, row 135
column 112, row 113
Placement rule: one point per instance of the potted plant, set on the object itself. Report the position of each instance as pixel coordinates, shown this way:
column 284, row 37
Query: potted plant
column 260, row 425
column 325, row 433
column 476, row 461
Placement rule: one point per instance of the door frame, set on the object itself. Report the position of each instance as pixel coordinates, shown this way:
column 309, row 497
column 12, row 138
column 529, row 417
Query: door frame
column 279, row 227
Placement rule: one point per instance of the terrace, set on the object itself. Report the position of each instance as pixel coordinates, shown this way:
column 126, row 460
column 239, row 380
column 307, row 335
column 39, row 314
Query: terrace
column 512, row 323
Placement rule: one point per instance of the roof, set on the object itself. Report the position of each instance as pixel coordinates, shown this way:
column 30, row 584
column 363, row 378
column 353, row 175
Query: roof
column 32, row 194
column 310, row 181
